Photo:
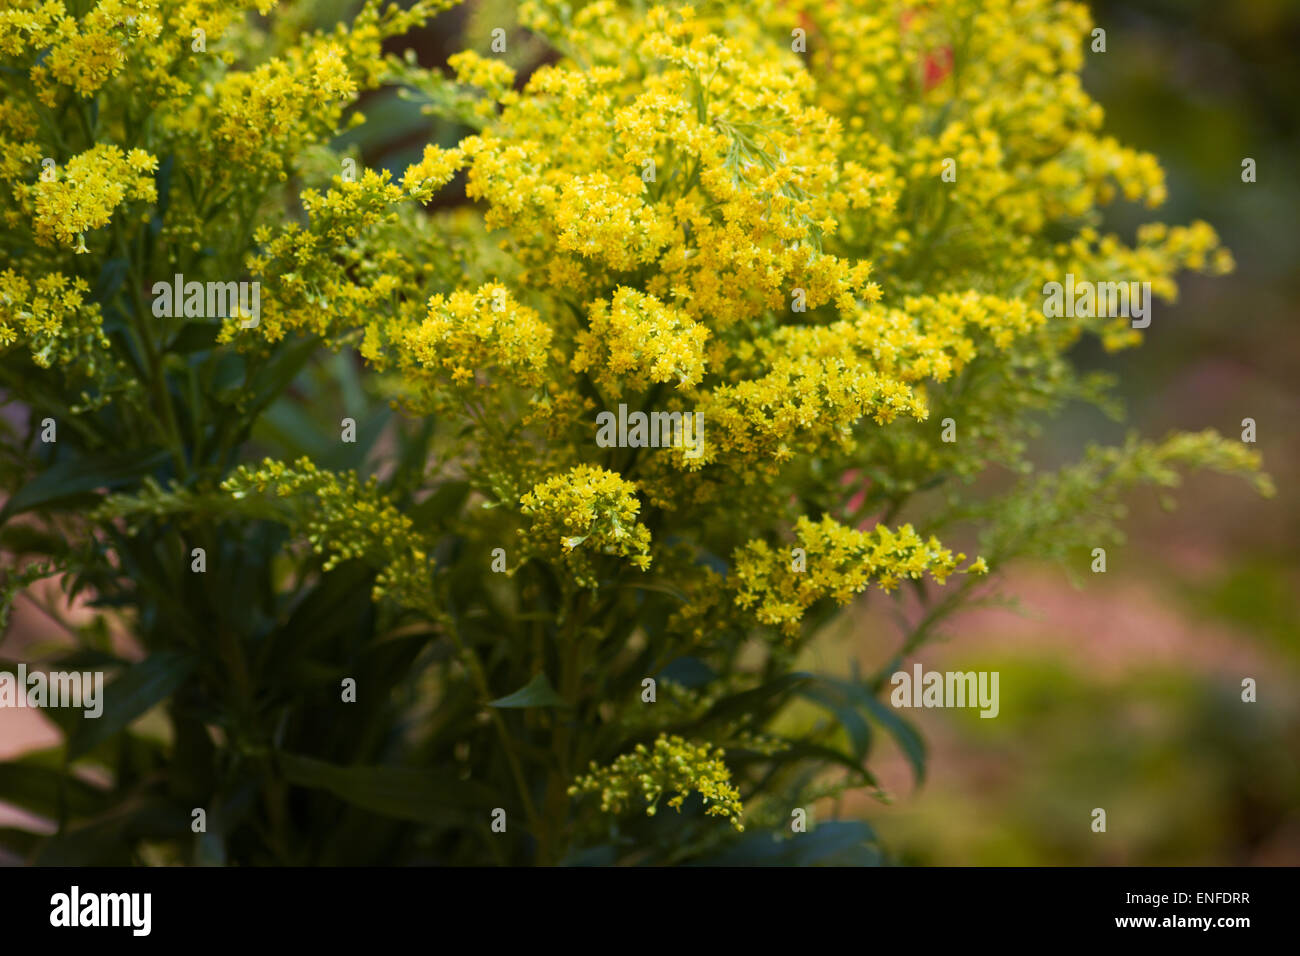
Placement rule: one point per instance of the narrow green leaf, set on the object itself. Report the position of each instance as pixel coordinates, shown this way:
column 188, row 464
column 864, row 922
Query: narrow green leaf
column 140, row 687
column 443, row 505
column 77, row 476
column 909, row 740
column 35, row 788
column 847, row 716
column 833, row 843
column 405, row 793
column 760, row 702
column 538, row 692
column 21, row 843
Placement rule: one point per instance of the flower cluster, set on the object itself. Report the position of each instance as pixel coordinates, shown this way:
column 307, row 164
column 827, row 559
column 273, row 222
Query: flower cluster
column 585, row 511
column 673, row 766
column 712, row 175
column 347, row 520
column 434, row 170
column 634, row 339
column 85, row 194
column 1011, row 113
column 836, row 562
column 307, row 286
column 469, row 332
column 51, row 315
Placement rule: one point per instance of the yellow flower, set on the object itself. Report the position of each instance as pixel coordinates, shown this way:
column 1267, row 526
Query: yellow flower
column 86, row 193
column 634, row 339
column 347, row 520
column 584, row 512
column 674, row 766
column 836, row 562
column 480, row 330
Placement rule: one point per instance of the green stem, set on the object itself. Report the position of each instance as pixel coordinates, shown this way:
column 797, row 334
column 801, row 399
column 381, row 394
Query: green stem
column 153, row 358
column 479, row 676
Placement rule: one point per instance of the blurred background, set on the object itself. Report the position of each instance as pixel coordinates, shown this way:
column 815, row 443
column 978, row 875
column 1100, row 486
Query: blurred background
column 1123, row 693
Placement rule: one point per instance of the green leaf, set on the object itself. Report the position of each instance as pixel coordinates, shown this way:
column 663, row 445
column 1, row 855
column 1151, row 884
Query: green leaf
column 606, row 854
column 909, row 740
column 689, row 672
column 108, row 841
column 797, row 750
column 26, row 539
column 538, row 692
column 226, row 374
column 345, row 372
column 389, row 119
column 102, row 843
column 111, row 276
column 344, row 456
column 859, row 732
column 270, row 380
column 760, row 702
column 441, row 506
column 339, row 602
column 288, row 425
column 26, row 783
column 195, row 337
column 142, row 686
column 405, row 793
column 78, row 475
column 19, row 842
column 833, row 843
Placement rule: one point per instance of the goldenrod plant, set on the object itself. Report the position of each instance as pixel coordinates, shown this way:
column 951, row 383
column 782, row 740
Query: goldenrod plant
column 313, row 445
